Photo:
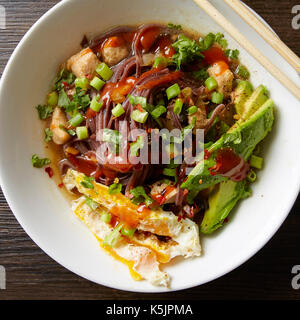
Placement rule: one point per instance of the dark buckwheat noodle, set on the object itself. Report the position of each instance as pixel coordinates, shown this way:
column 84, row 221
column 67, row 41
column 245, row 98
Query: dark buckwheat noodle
column 149, row 84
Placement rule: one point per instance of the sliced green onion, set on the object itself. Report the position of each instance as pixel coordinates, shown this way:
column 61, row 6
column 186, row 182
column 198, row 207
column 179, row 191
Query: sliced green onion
column 178, row 106
column 173, row 91
column 128, row 232
column 172, row 150
column 104, row 71
column 82, row 133
column 192, row 110
column 39, row 162
column 91, row 203
column 97, row 83
column 95, row 105
column 135, row 100
column 76, row 120
column 256, row 162
column 82, row 83
column 112, row 136
column 158, row 111
column 87, row 182
column 52, row 99
column 118, row 110
column 243, row 72
column 217, row 97
column 211, row 83
column 136, row 146
column 139, row 116
column 112, row 239
column 251, row 176
column 106, row 217
column 160, row 62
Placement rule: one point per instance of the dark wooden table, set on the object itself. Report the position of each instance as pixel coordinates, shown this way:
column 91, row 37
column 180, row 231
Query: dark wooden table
column 31, row 274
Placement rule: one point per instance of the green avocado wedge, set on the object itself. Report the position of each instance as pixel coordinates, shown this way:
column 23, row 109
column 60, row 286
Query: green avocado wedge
column 242, row 138
column 241, row 94
column 221, row 201
column 256, row 100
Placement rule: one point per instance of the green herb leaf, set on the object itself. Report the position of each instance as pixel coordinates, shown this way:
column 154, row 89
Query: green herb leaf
column 201, row 74
column 63, row 76
column 221, row 41
column 63, row 99
column 48, row 135
column 187, row 50
column 140, row 196
column 135, row 100
column 87, row 182
column 44, row 112
column 232, row 54
column 39, row 162
column 174, row 26
column 115, row 188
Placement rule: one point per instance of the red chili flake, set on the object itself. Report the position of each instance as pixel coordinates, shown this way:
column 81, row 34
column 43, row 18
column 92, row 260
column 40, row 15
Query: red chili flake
column 226, row 220
column 66, row 85
column 60, row 185
column 49, row 171
column 206, row 154
column 179, row 218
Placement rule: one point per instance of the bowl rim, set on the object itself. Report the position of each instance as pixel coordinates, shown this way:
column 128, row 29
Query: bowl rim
column 35, row 238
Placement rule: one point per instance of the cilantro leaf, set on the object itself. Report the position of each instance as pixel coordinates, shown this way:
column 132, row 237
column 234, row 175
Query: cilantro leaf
column 48, row 135
column 63, row 76
column 221, row 40
column 39, row 162
column 174, row 26
column 63, row 99
column 87, row 182
column 140, row 196
column 187, row 50
column 200, row 74
column 44, row 111
column 232, row 54
column 115, row 188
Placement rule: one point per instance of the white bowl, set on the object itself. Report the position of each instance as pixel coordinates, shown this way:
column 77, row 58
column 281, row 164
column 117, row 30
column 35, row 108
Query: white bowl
column 40, row 207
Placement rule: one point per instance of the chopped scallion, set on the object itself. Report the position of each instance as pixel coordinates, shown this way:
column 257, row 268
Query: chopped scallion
column 192, row 110
column 118, row 110
column 104, row 71
column 97, row 83
column 178, row 106
column 82, row 83
column 82, row 133
column 95, row 105
column 256, row 162
column 217, row 97
column 76, row 120
column 139, row 116
column 211, row 83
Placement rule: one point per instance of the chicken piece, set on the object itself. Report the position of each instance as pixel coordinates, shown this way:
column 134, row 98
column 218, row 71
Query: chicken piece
column 167, row 192
column 224, row 79
column 60, row 136
column 83, row 63
column 113, row 55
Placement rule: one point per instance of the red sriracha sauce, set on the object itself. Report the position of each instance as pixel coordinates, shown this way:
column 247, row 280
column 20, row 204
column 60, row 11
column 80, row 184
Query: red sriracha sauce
column 214, row 54
column 229, row 164
column 49, row 171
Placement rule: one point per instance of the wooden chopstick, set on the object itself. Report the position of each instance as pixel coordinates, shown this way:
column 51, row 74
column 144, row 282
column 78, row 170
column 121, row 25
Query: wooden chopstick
column 269, row 36
column 248, row 46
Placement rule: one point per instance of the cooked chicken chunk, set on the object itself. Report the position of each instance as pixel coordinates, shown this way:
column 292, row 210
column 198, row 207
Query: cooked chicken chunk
column 163, row 189
column 83, row 63
column 224, row 80
column 113, row 55
column 60, row 136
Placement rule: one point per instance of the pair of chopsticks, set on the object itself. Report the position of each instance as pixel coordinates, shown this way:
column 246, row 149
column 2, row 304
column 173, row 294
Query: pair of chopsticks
column 263, row 31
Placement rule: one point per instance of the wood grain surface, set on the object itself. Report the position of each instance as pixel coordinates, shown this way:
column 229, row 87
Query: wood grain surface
column 31, row 274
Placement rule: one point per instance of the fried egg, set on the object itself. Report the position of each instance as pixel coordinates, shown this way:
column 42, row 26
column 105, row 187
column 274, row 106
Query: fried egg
column 159, row 236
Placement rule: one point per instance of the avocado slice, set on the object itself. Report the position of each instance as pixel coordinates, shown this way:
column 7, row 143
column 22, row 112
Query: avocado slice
column 256, row 100
column 242, row 92
column 221, row 201
column 242, row 138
